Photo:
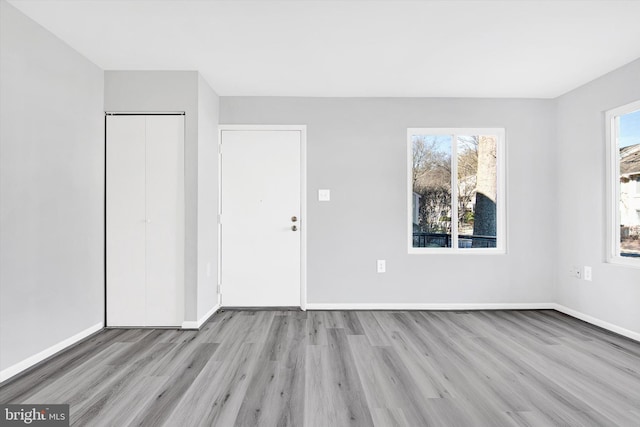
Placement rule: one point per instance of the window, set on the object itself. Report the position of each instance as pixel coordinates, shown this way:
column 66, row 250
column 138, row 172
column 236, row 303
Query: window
column 456, row 190
column 623, row 135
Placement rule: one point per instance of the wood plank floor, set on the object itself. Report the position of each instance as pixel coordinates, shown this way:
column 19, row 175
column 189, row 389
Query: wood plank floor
column 344, row 368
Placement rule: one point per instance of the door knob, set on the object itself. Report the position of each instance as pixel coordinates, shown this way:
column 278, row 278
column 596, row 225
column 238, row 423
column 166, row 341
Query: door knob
column 294, row 228
column 294, row 218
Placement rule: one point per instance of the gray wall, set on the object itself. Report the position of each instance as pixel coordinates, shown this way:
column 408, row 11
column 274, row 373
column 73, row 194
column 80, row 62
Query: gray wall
column 208, row 106
column 51, row 190
column 152, row 91
column 614, row 294
column 357, row 148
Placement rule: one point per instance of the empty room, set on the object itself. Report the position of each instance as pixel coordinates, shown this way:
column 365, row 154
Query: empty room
column 319, row 213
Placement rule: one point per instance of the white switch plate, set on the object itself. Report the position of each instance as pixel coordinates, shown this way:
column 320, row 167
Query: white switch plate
column 209, row 269
column 382, row 266
column 324, row 195
column 587, row 273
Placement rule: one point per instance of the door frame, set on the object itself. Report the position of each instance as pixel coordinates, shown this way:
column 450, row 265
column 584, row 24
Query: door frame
column 303, row 200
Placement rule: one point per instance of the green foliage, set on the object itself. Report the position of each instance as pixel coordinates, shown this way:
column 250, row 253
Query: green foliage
column 434, row 212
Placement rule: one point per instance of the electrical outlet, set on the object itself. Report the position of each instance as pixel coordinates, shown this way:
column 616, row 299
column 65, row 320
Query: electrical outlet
column 587, row 273
column 382, row 266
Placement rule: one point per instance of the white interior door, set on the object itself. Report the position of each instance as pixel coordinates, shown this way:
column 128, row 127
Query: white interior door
column 260, row 240
column 165, row 220
column 126, row 215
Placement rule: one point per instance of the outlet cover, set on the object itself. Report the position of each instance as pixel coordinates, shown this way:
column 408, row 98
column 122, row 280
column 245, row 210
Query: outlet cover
column 382, row 266
column 324, row 195
column 587, row 273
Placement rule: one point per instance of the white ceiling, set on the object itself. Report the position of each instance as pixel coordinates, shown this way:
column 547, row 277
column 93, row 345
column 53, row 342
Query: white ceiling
column 472, row 48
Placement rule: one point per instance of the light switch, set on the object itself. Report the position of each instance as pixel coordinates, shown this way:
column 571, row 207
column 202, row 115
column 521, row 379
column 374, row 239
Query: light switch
column 324, row 195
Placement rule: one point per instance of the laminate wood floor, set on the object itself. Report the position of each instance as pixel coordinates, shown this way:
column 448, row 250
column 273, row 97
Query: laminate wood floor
column 343, row 368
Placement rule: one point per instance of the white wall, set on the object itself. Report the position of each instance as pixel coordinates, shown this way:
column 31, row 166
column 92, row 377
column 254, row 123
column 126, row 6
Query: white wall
column 357, row 148
column 614, row 294
column 51, row 190
column 208, row 106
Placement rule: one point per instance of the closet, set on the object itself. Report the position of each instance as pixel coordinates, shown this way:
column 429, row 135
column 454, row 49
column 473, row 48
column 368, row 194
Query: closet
column 144, row 220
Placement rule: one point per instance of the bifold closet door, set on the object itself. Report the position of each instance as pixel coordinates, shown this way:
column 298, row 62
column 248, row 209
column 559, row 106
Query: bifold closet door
column 126, row 216
column 145, row 220
column 165, row 220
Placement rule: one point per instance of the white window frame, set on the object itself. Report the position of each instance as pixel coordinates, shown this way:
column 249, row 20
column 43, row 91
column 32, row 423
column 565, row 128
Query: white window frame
column 613, row 186
column 501, row 212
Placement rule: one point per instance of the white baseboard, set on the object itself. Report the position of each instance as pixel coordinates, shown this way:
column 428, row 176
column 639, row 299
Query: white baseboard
column 11, row 371
column 196, row 324
column 594, row 321
column 429, row 306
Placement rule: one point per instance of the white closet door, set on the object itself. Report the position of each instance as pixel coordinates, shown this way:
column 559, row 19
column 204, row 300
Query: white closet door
column 125, row 236
column 165, row 220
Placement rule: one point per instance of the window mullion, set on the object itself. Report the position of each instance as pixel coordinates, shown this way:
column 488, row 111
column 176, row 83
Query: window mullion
column 454, row 191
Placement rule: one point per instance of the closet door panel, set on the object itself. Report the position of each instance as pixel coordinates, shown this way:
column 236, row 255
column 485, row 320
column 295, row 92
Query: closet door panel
column 165, row 225
column 125, row 234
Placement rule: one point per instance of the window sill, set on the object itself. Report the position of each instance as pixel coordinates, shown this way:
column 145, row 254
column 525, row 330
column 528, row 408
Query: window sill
column 624, row 262
column 449, row 251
